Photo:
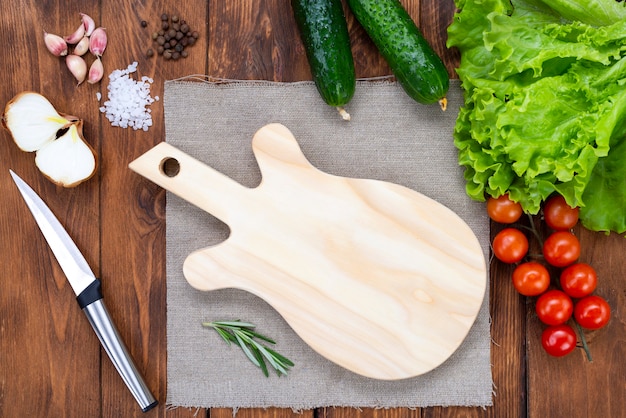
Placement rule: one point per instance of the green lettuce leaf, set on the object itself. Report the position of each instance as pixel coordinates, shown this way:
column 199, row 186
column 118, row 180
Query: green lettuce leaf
column 592, row 12
column 605, row 194
column 544, row 102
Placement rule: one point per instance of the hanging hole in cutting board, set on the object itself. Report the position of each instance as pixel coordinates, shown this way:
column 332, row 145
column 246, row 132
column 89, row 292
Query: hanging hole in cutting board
column 170, row 167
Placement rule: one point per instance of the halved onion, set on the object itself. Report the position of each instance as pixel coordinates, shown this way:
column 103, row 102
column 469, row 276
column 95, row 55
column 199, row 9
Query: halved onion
column 68, row 160
column 62, row 154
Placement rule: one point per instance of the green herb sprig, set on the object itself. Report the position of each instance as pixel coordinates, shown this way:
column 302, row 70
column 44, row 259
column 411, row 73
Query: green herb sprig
column 243, row 335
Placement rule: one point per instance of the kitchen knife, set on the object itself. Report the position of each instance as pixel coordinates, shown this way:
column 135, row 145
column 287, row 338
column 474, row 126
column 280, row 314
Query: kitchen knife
column 88, row 293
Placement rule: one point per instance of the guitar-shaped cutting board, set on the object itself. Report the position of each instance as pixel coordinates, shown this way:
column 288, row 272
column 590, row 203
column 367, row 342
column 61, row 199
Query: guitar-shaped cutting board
column 372, row 275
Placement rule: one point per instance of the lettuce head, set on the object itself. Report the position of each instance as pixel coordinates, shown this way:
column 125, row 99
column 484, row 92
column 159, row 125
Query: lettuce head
column 544, row 103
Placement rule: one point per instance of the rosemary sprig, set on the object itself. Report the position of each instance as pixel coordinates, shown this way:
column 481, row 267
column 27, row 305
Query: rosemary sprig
column 243, row 335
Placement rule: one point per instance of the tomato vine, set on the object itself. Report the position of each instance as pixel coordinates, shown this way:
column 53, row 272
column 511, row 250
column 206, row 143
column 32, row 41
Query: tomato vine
column 568, row 298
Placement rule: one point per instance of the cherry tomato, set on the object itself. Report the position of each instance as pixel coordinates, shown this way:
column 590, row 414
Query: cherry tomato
column 531, row 279
column 579, row 280
column 558, row 340
column 561, row 249
column 554, row 307
column 510, row 245
column 503, row 210
column 559, row 215
column 592, row 312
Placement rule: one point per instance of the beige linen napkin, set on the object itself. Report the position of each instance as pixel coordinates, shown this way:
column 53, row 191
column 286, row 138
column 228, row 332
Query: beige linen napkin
column 391, row 138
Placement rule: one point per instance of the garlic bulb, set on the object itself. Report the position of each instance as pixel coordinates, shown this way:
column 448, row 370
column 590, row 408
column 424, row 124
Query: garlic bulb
column 85, row 38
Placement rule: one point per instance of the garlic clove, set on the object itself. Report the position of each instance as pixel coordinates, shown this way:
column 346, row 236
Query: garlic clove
column 96, row 71
column 77, row 66
column 98, row 42
column 55, row 44
column 68, row 160
column 81, row 47
column 75, row 37
column 32, row 120
column 88, row 23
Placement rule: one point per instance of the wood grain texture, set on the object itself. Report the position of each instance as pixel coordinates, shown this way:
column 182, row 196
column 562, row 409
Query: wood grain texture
column 44, row 355
column 52, row 365
column 395, row 256
column 133, row 246
column 261, row 413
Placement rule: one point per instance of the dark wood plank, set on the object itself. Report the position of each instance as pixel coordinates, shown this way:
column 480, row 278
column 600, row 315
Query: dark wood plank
column 253, row 40
column 260, row 413
column 50, row 356
column 434, row 19
column 133, row 218
column 369, row 413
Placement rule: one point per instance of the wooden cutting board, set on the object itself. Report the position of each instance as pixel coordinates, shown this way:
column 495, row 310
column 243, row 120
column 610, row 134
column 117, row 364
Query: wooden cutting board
column 376, row 277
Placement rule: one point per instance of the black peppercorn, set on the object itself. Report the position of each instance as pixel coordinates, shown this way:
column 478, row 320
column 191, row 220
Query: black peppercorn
column 173, row 37
column 144, row 24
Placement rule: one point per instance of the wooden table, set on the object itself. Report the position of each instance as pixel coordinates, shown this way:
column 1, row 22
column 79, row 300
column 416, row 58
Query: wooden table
column 51, row 363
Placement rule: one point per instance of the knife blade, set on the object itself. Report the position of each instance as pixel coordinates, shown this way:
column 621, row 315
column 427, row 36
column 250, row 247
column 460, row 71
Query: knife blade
column 88, row 293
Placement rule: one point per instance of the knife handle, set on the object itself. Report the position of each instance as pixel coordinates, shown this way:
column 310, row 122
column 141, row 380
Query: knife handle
column 90, row 301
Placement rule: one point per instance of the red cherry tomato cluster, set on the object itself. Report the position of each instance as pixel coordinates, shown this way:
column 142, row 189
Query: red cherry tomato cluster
column 561, row 249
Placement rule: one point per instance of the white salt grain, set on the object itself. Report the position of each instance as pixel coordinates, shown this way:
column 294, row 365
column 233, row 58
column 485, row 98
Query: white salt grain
column 127, row 100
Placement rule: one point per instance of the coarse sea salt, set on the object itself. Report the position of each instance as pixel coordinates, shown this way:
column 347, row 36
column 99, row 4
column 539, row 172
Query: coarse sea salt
column 128, row 99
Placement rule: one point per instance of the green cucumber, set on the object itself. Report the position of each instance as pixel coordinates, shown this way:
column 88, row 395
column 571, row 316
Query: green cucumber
column 324, row 32
column 414, row 63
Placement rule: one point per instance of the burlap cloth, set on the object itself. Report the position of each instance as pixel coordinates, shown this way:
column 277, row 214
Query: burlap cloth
column 390, row 138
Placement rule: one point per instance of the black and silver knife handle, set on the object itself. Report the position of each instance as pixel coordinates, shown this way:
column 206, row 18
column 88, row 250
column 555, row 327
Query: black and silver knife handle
column 90, row 301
